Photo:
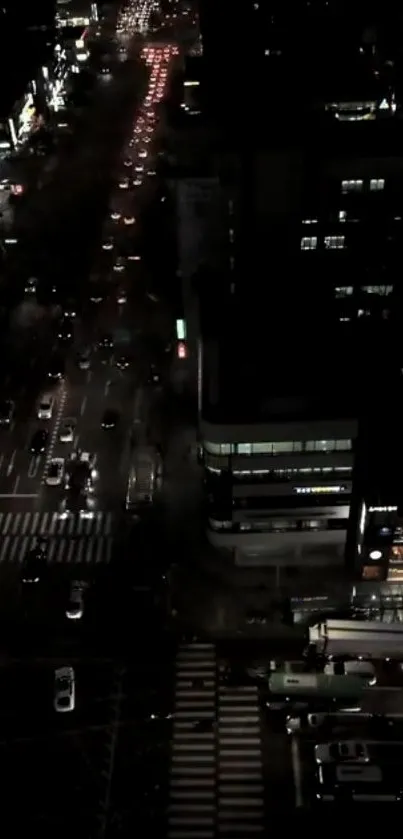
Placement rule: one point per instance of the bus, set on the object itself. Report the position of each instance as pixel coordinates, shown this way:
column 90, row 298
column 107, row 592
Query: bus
column 144, row 478
column 316, row 686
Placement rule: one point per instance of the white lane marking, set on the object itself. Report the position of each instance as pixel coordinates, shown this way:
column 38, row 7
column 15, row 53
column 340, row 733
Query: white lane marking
column 296, row 769
column 83, row 405
column 16, row 485
column 11, row 462
column 19, row 495
column 106, row 388
column 89, row 376
column 1, row 460
column 55, row 430
column 33, row 467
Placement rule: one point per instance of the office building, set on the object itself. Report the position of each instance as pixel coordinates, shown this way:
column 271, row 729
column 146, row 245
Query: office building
column 296, row 332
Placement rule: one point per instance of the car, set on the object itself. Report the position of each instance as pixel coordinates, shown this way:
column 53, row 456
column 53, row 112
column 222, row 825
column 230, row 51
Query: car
column 69, row 312
column 56, row 368
column 124, row 183
column 345, row 751
column 115, row 215
column 123, row 362
column 137, row 182
column 7, row 409
column 33, row 565
column 119, row 264
column 140, row 169
column 75, row 606
column 65, row 331
column 67, row 430
column 39, row 441
column 108, row 244
column 55, row 472
column 142, row 154
column 128, row 220
column 106, row 341
column 121, row 297
column 96, row 293
column 83, row 362
column 31, row 285
column 44, row 410
column 110, row 419
column 128, row 161
column 64, row 690
column 155, row 376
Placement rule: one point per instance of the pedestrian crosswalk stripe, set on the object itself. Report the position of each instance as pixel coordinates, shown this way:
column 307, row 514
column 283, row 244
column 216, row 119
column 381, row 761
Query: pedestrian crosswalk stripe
column 51, row 524
column 240, row 798
column 93, row 550
column 192, row 800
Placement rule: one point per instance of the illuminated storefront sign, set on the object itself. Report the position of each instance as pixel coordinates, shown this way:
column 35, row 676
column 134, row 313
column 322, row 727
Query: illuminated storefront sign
column 319, row 490
column 383, row 509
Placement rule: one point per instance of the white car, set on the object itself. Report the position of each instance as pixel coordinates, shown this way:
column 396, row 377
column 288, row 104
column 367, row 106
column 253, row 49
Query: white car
column 345, row 751
column 124, row 183
column 55, row 472
column 65, row 690
column 66, row 433
column 128, row 220
column 75, row 608
column 115, row 215
column 137, row 182
column 122, row 297
column 119, row 264
column 45, row 408
column 128, row 161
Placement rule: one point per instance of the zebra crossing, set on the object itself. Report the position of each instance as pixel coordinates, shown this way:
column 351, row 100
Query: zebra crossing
column 216, row 774
column 70, row 540
column 240, row 798
column 192, row 793
column 52, row 524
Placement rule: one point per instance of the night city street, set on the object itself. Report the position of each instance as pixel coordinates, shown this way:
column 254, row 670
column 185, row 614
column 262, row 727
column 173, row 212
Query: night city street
column 201, row 531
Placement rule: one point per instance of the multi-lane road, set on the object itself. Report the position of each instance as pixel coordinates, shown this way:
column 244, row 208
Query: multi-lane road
column 113, row 305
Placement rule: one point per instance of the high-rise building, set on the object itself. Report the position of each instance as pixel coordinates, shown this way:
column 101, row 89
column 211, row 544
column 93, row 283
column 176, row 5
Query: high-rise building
column 297, row 332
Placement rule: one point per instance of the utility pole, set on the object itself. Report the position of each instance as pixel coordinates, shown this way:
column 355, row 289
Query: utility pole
column 108, row 771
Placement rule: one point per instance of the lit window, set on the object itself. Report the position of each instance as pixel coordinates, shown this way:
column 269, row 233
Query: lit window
column 351, row 186
column 309, row 243
column 343, row 291
column 218, row 448
column 244, row 448
column 376, row 184
column 380, row 290
column 328, row 445
column 334, row 242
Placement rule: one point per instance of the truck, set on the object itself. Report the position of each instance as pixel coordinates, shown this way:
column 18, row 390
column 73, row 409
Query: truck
column 316, row 685
column 368, row 639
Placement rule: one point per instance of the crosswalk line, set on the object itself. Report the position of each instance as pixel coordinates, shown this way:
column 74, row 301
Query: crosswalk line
column 192, row 799
column 240, row 796
column 88, row 549
column 51, row 524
